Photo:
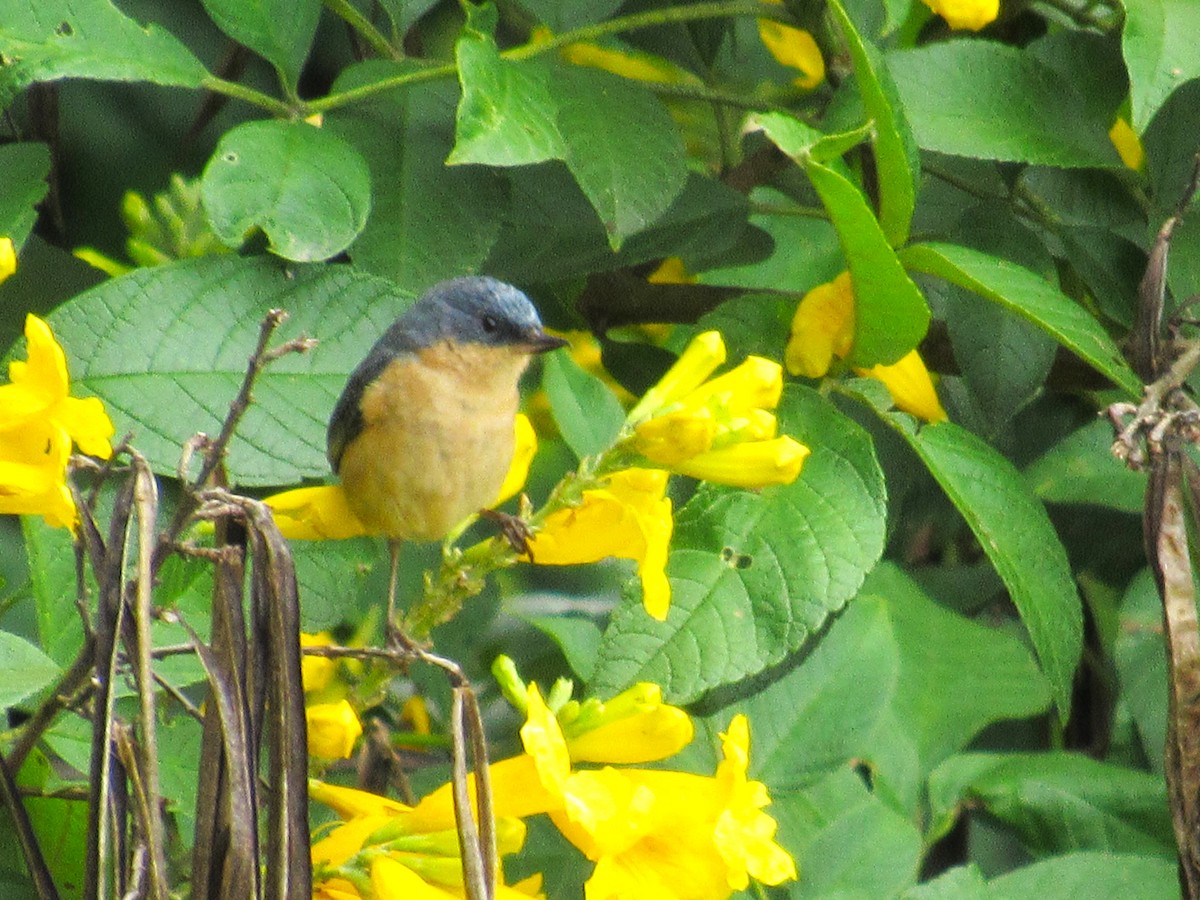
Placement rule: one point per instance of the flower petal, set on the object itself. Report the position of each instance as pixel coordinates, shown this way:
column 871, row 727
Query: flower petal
column 910, row 386
column 701, row 358
column 524, row 450
column 970, row 14
column 315, row 514
column 794, row 48
column 822, row 328
column 753, row 464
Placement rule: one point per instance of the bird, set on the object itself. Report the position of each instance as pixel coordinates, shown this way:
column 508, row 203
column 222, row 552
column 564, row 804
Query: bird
column 422, row 435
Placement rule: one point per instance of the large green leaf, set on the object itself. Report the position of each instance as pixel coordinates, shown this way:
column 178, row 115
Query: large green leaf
column 428, row 221
column 1141, row 664
column 24, row 669
column 896, row 159
column 755, row 574
column 305, row 187
column 1097, row 876
column 166, row 349
column 993, row 673
column 1080, row 469
column 53, row 584
column 992, row 101
column 516, row 113
column 1031, row 297
column 25, row 167
column 1015, row 532
column 587, row 412
column 279, row 30
column 891, row 316
column 1159, row 43
column 56, row 39
column 1057, row 802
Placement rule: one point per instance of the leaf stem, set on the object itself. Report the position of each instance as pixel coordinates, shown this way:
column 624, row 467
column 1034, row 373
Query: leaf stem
column 249, row 95
column 346, row 11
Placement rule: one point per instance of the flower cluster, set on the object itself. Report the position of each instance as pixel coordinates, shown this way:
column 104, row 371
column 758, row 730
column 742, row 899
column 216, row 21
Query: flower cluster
column 39, row 421
column 823, row 328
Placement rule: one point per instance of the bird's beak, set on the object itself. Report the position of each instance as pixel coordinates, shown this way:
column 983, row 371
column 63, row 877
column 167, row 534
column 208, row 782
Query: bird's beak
column 537, row 341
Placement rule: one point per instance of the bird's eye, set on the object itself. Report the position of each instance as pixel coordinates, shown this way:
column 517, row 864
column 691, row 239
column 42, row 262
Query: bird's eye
column 489, row 324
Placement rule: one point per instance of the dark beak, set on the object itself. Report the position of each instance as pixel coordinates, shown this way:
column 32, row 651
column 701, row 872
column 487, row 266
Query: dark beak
column 537, row 341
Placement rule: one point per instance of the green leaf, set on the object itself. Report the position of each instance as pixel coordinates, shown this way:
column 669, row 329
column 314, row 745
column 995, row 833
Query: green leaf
column 755, row 574
column 992, row 101
column 960, row 883
column 1141, row 664
column 993, row 673
column 24, row 669
column 305, row 187
column 1160, row 52
column 846, row 841
column 52, row 574
column 896, row 159
column 588, row 414
column 281, row 31
column 517, row 113
column 166, row 349
column 428, row 221
column 1031, row 297
column 801, row 141
column 891, row 316
column 1016, row 534
column 1081, row 469
column 577, row 637
column 56, row 39
column 328, row 572
column 1097, row 876
column 25, row 168
column 1057, row 802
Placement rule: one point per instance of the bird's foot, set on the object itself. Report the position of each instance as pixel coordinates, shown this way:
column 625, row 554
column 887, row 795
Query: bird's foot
column 514, row 529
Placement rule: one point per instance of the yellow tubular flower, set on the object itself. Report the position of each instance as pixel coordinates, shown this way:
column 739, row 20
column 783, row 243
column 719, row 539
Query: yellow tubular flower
column 40, row 390
column 822, row 328
column 525, row 449
column 316, row 671
column 318, row 513
column 33, row 466
column 333, row 729
column 629, row 518
column 8, row 257
column 671, row 271
column 910, row 386
column 752, row 464
column 796, row 49
column 969, row 14
column 1128, row 144
column 633, row 727
column 698, row 361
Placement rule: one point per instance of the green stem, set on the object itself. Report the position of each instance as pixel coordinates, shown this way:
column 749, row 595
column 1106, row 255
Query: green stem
column 711, row 95
column 667, row 16
column 360, row 23
column 249, row 95
column 805, row 212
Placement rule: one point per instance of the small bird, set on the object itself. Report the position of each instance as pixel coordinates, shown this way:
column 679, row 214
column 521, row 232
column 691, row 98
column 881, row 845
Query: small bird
column 422, row 435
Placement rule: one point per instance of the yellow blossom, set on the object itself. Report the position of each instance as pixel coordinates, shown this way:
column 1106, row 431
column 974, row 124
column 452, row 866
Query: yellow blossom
column 633, row 727
column 38, row 421
column 316, row 671
column 823, row 327
column 629, row 517
column 718, row 429
column 910, row 386
column 8, row 257
column 1128, row 144
column 794, row 48
column 970, row 14
column 628, row 63
column 390, row 880
column 518, row 469
column 671, row 271
column 332, row 729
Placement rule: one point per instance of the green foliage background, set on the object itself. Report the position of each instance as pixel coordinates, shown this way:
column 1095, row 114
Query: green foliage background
column 945, row 638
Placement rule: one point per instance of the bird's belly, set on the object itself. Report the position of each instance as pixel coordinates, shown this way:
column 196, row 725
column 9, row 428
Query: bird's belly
column 415, row 476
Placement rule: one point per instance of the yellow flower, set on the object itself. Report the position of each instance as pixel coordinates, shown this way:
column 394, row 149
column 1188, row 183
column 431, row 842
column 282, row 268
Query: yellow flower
column 671, row 271
column 910, row 386
column 1128, row 144
column 627, row 63
column 322, row 513
column 628, row 517
column 333, row 729
column 38, row 421
column 518, row 469
column 316, row 671
column 33, row 465
column 657, row 833
column 422, row 843
column 972, row 14
column 633, row 727
column 823, row 327
column 794, row 48
column 8, row 257
column 721, row 429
